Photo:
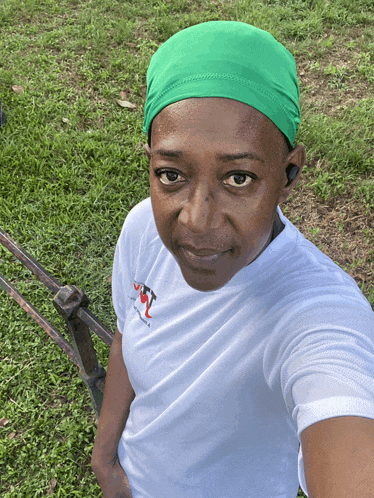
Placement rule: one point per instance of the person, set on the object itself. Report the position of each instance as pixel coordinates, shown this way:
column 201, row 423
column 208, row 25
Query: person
column 2, row 116
column 238, row 341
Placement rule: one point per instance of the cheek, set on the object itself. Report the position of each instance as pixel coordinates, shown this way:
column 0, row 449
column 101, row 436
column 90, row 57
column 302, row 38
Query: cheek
column 257, row 228
column 162, row 216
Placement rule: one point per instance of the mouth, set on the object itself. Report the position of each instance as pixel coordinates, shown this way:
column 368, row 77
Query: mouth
column 204, row 258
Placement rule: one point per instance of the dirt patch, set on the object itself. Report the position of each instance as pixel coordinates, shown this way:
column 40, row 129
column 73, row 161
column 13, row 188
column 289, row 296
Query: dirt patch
column 329, row 93
column 339, row 226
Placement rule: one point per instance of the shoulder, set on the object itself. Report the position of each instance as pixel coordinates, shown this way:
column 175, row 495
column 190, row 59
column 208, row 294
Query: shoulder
column 139, row 215
column 138, row 228
column 137, row 222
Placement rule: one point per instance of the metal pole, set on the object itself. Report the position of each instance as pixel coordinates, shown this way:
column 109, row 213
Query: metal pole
column 40, row 319
column 72, row 304
column 67, row 302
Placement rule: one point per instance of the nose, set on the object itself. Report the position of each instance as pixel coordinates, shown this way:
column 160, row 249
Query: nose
column 200, row 212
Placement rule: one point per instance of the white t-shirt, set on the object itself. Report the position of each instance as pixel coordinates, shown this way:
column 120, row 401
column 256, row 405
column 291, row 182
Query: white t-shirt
column 227, row 380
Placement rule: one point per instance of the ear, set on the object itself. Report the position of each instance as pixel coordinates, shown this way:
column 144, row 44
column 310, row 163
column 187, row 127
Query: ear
column 296, row 158
column 147, row 151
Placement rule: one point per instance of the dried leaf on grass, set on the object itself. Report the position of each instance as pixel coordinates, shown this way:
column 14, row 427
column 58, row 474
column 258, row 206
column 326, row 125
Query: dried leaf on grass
column 3, row 422
column 52, row 485
column 125, row 103
column 18, row 89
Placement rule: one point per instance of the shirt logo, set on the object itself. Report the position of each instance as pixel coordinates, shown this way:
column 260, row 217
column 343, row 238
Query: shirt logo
column 144, row 296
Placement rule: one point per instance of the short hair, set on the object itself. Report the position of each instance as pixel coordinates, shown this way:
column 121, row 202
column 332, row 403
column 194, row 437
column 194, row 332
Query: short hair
column 289, row 146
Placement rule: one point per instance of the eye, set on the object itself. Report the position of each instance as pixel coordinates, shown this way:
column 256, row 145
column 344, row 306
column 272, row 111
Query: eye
column 239, row 179
column 171, row 176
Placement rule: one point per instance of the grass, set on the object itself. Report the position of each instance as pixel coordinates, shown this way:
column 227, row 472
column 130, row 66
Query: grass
column 73, row 165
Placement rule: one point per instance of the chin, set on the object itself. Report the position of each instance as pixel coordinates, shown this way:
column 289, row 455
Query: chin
column 203, row 284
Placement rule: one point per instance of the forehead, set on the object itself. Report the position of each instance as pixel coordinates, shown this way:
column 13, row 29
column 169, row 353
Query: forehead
column 206, row 110
column 217, row 122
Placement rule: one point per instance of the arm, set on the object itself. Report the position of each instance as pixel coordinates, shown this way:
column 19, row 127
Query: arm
column 118, row 396
column 338, row 458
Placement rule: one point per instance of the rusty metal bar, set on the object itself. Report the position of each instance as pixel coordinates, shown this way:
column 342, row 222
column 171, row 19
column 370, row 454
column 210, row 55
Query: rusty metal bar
column 72, row 304
column 54, row 285
column 30, row 263
column 95, row 325
column 67, row 302
column 39, row 318
column 92, row 374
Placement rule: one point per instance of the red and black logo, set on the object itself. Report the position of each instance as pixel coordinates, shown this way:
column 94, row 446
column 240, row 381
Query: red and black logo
column 146, row 296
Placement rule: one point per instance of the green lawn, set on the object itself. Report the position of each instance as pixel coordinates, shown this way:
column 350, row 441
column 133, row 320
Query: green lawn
column 72, row 165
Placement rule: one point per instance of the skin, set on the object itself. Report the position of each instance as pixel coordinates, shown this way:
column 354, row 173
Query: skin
column 206, row 202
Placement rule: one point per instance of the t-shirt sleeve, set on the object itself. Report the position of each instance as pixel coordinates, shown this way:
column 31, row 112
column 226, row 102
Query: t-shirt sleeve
column 126, row 257
column 330, row 372
column 321, row 356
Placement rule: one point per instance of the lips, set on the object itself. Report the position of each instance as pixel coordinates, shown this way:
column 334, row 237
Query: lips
column 202, row 258
column 202, row 252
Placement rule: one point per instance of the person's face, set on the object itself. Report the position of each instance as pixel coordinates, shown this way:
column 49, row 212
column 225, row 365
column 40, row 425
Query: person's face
column 203, row 202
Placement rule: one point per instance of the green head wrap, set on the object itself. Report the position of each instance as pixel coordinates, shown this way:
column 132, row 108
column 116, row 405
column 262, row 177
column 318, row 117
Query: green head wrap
column 226, row 59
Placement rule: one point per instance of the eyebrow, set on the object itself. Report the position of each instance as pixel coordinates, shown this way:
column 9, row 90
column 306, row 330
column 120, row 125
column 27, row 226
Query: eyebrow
column 222, row 157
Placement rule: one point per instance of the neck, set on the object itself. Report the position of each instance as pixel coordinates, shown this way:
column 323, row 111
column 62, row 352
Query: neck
column 278, row 226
